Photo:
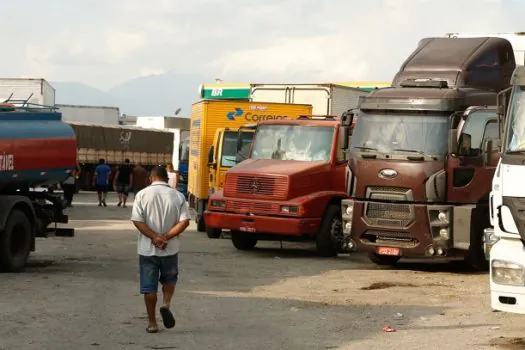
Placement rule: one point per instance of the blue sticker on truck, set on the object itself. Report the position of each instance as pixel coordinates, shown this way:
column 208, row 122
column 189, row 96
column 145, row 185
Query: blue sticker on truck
column 237, row 113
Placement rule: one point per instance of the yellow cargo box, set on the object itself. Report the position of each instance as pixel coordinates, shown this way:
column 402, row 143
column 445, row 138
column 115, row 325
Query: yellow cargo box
column 209, row 115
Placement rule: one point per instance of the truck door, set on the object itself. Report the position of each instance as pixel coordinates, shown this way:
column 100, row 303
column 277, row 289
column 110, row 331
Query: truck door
column 469, row 172
column 214, row 155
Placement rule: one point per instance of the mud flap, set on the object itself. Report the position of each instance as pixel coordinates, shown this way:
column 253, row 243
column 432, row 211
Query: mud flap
column 463, row 216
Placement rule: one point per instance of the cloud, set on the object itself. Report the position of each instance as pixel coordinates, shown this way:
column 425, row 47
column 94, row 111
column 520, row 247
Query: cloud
column 104, row 43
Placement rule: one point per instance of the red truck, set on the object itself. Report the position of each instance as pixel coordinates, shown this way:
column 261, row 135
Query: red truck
column 36, row 149
column 289, row 189
column 424, row 151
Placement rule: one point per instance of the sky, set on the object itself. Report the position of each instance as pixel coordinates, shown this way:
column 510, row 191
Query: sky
column 103, row 43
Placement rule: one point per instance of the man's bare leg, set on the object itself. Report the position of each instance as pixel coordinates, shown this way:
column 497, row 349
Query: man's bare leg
column 124, row 200
column 167, row 293
column 150, row 299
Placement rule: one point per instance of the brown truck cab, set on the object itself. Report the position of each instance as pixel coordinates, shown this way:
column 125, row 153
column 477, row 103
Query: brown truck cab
column 422, row 156
column 289, row 189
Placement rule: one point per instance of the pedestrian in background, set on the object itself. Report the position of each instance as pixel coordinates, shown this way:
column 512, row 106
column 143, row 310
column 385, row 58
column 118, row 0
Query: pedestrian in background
column 122, row 182
column 69, row 185
column 101, row 181
column 140, row 178
column 161, row 214
column 172, row 176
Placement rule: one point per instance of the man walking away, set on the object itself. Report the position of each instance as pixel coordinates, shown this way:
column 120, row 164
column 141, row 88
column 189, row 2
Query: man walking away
column 101, row 181
column 140, row 178
column 122, row 182
column 161, row 214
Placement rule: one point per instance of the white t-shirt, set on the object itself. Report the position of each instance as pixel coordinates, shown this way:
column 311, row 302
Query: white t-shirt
column 172, row 179
column 160, row 207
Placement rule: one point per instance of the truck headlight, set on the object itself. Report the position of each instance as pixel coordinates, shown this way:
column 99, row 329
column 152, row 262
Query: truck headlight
column 443, row 216
column 507, row 273
column 349, row 210
column 289, row 209
column 218, row 204
column 443, row 233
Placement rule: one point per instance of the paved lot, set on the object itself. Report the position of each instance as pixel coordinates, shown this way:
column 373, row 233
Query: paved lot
column 82, row 293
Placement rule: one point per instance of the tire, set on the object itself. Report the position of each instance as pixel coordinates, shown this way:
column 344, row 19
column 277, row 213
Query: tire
column 243, row 241
column 383, row 260
column 201, row 225
column 475, row 258
column 15, row 242
column 329, row 239
column 213, row 233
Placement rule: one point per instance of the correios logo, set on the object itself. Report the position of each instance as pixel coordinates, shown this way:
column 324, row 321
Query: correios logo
column 253, row 116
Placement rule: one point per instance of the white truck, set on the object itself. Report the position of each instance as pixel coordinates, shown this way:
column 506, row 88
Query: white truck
column 326, row 99
column 34, row 91
column 179, row 126
column 100, row 115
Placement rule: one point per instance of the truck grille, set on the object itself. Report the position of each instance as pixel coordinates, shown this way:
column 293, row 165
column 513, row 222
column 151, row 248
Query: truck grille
column 389, row 214
column 391, row 239
column 247, row 186
column 252, row 207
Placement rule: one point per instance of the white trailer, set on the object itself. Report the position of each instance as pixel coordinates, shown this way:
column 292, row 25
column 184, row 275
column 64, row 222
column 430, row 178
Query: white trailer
column 326, row 99
column 517, row 41
column 179, row 126
column 90, row 114
column 35, row 91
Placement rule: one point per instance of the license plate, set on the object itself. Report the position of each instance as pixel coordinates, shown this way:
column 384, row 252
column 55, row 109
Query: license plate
column 247, row 229
column 388, row 251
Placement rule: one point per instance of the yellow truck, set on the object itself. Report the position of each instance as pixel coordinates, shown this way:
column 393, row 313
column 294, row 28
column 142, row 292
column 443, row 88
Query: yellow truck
column 214, row 138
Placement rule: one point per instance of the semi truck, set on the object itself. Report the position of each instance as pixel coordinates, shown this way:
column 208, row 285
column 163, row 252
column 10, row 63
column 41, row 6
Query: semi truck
column 290, row 188
column 36, row 148
column 505, row 241
column 420, row 163
column 115, row 143
column 207, row 116
column 102, row 115
column 326, row 99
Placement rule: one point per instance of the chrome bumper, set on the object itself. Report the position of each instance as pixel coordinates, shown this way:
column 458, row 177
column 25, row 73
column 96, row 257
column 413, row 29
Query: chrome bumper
column 489, row 239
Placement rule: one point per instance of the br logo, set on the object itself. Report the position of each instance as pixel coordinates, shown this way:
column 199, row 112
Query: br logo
column 237, row 113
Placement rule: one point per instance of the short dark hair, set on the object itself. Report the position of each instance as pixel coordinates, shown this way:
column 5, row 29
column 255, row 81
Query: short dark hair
column 101, row 161
column 160, row 172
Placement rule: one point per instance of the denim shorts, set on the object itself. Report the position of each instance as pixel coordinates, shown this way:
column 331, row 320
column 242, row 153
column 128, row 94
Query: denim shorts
column 155, row 269
column 122, row 188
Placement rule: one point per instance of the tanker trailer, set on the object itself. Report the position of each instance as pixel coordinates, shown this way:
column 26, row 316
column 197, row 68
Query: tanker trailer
column 36, row 149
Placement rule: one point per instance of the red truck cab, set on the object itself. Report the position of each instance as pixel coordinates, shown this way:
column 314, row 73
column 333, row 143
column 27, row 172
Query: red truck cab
column 289, row 189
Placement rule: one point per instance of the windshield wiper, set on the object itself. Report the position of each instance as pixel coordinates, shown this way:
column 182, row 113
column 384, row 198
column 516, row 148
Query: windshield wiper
column 362, row 148
column 518, row 151
column 408, row 150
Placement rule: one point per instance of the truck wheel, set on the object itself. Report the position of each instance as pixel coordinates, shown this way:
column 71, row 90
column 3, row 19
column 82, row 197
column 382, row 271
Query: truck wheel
column 243, row 241
column 383, row 260
column 475, row 258
column 15, row 242
column 201, row 225
column 329, row 239
column 213, row 233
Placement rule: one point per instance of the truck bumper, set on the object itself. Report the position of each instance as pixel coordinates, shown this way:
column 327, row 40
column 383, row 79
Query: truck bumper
column 411, row 230
column 258, row 224
column 504, row 297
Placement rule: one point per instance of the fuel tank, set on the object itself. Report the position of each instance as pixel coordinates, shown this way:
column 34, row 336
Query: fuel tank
column 36, row 148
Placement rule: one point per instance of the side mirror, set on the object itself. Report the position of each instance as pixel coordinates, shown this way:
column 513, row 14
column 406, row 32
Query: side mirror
column 488, row 149
column 211, row 162
column 452, row 141
column 347, row 118
column 343, row 137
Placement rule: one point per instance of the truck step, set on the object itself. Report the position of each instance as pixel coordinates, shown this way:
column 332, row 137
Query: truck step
column 60, row 232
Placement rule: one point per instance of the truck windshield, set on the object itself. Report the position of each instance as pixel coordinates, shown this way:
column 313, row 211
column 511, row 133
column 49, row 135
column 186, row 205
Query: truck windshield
column 229, row 147
column 516, row 125
column 401, row 133
column 293, row 142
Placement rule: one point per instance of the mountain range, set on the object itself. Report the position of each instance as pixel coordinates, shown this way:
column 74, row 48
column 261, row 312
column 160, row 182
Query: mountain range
column 152, row 95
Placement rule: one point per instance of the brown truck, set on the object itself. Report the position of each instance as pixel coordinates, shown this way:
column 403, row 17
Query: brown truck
column 422, row 156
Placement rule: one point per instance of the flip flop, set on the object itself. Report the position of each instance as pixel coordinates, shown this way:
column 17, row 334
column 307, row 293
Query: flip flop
column 167, row 317
column 152, row 329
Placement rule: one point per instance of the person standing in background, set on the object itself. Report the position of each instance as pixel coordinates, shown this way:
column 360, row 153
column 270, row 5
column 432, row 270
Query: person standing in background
column 69, row 185
column 140, row 178
column 173, row 176
column 101, row 181
column 122, row 182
